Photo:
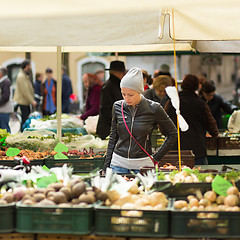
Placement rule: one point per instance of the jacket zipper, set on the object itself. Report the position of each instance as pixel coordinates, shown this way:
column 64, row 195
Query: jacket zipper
column 130, row 142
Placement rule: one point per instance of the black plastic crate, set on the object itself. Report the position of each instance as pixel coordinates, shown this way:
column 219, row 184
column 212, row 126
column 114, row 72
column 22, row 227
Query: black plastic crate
column 51, row 219
column 132, row 223
column 7, row 218
column 80, row 165
column 205, row 224
column 12, row 163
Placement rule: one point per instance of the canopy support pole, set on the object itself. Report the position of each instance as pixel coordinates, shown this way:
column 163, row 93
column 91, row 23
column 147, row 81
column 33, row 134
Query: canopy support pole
column 175, row 69
column 59, row 92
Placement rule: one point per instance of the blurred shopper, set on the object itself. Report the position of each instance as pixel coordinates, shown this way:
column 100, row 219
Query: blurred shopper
column 202, row 79
column 110, row 93
column 100, row 74
column 6, row 106
column 158, row 93
column 93, row 86
column 66, row 91
column 164, row 70
column 216, row 103
column 147, row 80
column 49, row 93
column 37, row 90
column 24, row 92
column 197, row 115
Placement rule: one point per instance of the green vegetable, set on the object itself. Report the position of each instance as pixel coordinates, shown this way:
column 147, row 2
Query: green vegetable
column 3, row 133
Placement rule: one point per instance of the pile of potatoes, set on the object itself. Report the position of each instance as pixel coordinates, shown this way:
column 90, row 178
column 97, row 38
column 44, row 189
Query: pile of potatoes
column 76, row 194
column 210, row 201
column 137, row 201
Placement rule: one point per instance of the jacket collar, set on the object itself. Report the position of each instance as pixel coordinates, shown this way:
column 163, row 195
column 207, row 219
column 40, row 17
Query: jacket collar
column 115, row 79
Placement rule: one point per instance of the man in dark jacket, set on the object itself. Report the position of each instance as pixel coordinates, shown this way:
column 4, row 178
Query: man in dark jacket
column 110, row 93
column 198, row 117
column 215, row 102
column 66, row 91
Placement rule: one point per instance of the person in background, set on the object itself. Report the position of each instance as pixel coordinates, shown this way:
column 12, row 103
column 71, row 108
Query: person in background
column 141, row 115
column 37, row 90
column 110, row 93
column 49, row 93
column 24, row 92
column 100, row 74
column 164, row 70
column 6, row 106
column 198, row 117
column 158, row 93
column 147, row 80
column 215, row 101
column 202, row 79
column 93, row 85
column 66, row 91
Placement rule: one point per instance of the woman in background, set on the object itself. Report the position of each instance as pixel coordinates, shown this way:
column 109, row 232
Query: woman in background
column 49, row 93
column 93, row 86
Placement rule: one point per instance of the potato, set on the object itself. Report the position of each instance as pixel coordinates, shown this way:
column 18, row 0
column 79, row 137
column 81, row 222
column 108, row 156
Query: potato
column 231, row 200
column 46, row 202
column 2, row 202
column 8, row 197
column 113, row 195
column 204, row 202
column 220, row 200
column 190, row 197
column 38, row 196
column 193, row 203
column 211, row 196
column 78, row 189
column 56, row 185
column 180, row 204
column 233, row 190
column 134, row 189
column 28, row 202
column 59, row 197
column 67, row 191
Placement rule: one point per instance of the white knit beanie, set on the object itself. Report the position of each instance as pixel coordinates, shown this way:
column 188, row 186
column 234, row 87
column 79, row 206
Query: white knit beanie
column 133, row 79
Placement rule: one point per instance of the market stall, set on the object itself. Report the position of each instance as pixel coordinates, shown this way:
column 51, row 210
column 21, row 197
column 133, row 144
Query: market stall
column 43, row 26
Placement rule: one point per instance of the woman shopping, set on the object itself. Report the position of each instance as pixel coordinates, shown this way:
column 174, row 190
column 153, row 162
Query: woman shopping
column 93, row 85
column 133, row 120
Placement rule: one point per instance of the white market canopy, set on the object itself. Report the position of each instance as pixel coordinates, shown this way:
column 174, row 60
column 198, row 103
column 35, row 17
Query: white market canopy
column 119, row 26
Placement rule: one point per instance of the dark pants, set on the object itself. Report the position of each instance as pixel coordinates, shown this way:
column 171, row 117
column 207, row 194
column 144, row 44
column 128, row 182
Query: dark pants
column 25, row 111
column 47, row 113
column 4, row 121
column 201, row 161
column 65, row 106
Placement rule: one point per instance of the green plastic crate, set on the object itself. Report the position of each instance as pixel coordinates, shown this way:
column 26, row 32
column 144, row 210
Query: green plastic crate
column 79, row 165
column 189, row 224
column 51, row 219
column 141, row 223
column 7, row 218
